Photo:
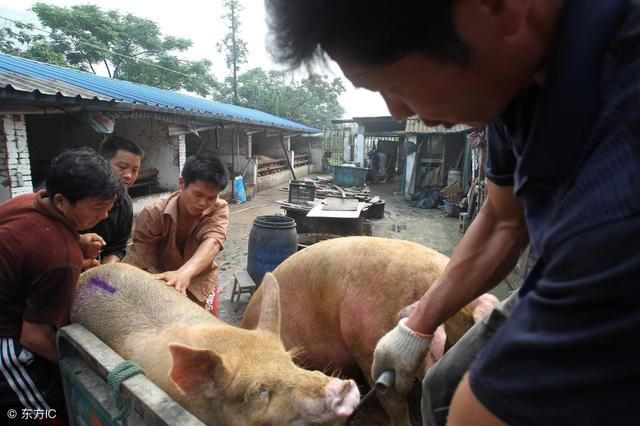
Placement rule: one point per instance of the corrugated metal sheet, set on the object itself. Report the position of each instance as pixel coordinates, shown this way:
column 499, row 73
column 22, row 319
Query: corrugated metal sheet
column 23, row 83
column 416, row 125
column 32, row 76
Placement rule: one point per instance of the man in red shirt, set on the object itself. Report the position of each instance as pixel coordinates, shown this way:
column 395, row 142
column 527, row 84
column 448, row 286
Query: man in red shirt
column 41, row 254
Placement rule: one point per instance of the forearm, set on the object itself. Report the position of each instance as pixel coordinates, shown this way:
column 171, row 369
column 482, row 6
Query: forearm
column 110, row 258
column 40, row 339
column 487, row 253
column 114, row 251
column 202, row 258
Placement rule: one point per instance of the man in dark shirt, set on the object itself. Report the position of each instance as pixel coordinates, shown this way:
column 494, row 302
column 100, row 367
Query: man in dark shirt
column 41, row 254
column 563, row 79
column 124, row 157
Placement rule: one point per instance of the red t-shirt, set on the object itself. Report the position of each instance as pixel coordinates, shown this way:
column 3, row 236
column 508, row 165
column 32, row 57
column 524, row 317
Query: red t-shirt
column 40, row 261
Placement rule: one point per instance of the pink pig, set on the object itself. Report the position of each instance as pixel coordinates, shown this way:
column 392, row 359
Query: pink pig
column 223, row 374
column 340, row 296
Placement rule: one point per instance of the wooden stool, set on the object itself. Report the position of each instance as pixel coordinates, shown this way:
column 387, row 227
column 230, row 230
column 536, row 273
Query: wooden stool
column 242, row 283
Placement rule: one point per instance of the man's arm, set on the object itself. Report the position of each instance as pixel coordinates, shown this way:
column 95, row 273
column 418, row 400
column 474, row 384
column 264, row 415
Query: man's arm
column 110, row 258
column 212, row 232
column 467, row 409
column 201, row 259
column 40, row 339
column 486, row 254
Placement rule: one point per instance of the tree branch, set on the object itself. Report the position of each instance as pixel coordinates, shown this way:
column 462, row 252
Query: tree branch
column 107, row 66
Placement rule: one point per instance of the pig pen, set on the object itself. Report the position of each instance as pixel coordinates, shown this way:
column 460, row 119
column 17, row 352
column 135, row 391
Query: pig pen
column 429, row 227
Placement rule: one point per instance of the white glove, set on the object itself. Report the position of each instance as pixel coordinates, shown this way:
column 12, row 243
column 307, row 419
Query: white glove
column 401, row 350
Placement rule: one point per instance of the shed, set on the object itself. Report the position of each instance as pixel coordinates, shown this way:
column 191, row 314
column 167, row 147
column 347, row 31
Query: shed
column 45, row 108
column 432, row 153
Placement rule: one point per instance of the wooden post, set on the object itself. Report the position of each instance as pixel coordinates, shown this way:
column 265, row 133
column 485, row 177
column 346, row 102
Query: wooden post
column 286, row 156
column 309, row 153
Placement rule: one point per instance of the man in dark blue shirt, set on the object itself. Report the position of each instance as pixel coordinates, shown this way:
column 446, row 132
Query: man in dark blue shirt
column 563, row 79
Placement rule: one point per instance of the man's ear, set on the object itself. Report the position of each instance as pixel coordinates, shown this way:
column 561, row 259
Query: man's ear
column 59, row 201
column 181, row 183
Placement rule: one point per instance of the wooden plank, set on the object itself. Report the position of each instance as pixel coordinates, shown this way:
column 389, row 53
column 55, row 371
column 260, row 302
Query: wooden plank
column 286, row 156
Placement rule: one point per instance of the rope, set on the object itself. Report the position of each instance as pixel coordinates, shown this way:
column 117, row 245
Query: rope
column 119, row 374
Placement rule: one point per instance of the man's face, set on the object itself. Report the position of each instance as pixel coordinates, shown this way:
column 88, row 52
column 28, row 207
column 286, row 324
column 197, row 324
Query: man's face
column 197, row 197
column 506, row 52
column 439, row 93
column 126, row 165
column 84, row 213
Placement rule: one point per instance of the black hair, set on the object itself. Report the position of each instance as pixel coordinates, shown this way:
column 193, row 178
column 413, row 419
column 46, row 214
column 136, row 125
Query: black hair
column 207, row 168
column 368, row 32
column 110, row 146
column 80, row 173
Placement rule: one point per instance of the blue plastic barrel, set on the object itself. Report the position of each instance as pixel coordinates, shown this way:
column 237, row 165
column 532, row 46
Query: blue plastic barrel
column 272, row 239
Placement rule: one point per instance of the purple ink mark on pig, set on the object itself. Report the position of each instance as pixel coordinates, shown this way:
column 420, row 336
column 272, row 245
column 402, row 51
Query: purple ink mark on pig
column 99, row 282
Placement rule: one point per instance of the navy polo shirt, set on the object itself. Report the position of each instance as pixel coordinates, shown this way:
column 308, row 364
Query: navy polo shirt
column 568, row 353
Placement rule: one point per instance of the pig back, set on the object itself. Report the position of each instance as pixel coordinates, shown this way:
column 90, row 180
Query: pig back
column 340, row 296
column 115, row 300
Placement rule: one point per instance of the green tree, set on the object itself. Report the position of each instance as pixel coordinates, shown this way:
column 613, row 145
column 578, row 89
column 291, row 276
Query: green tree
column 23, row 41
column 234, row 48
column 130, row 48
column 313, row 101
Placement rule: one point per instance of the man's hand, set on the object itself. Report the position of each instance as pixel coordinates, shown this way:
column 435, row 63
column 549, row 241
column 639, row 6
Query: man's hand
column 89, row 263
column 91, row 244
column 401, row 350
column 176, row 279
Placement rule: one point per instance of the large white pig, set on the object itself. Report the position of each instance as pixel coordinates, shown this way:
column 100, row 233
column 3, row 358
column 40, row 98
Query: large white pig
column 340, row 296
column 223, row 374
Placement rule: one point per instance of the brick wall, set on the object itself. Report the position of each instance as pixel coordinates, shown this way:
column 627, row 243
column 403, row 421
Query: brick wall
column 15, row 167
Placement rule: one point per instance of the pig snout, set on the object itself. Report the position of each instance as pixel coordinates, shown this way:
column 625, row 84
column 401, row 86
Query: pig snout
column 342, row 396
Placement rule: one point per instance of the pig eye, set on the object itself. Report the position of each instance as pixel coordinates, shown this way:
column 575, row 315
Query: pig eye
column 261, row 395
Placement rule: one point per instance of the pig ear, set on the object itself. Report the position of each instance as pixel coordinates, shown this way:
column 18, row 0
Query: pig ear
column 198, row 371
column 270, row 307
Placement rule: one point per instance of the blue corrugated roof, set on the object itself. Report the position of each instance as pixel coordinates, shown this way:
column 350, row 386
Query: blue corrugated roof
column 126, row 91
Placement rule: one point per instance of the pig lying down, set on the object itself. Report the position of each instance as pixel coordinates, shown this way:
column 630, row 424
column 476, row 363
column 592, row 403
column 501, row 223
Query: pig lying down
column 223, row 374
column 340, row 296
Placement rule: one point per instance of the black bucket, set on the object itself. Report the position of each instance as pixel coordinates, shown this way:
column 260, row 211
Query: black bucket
column 376, row 210
column 272, row 239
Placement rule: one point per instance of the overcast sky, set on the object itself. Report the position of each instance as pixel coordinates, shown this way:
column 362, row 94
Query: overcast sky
column 201, row 22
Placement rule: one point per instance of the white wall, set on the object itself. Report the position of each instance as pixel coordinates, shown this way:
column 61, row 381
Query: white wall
column 161, row 151
column 15, row 165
